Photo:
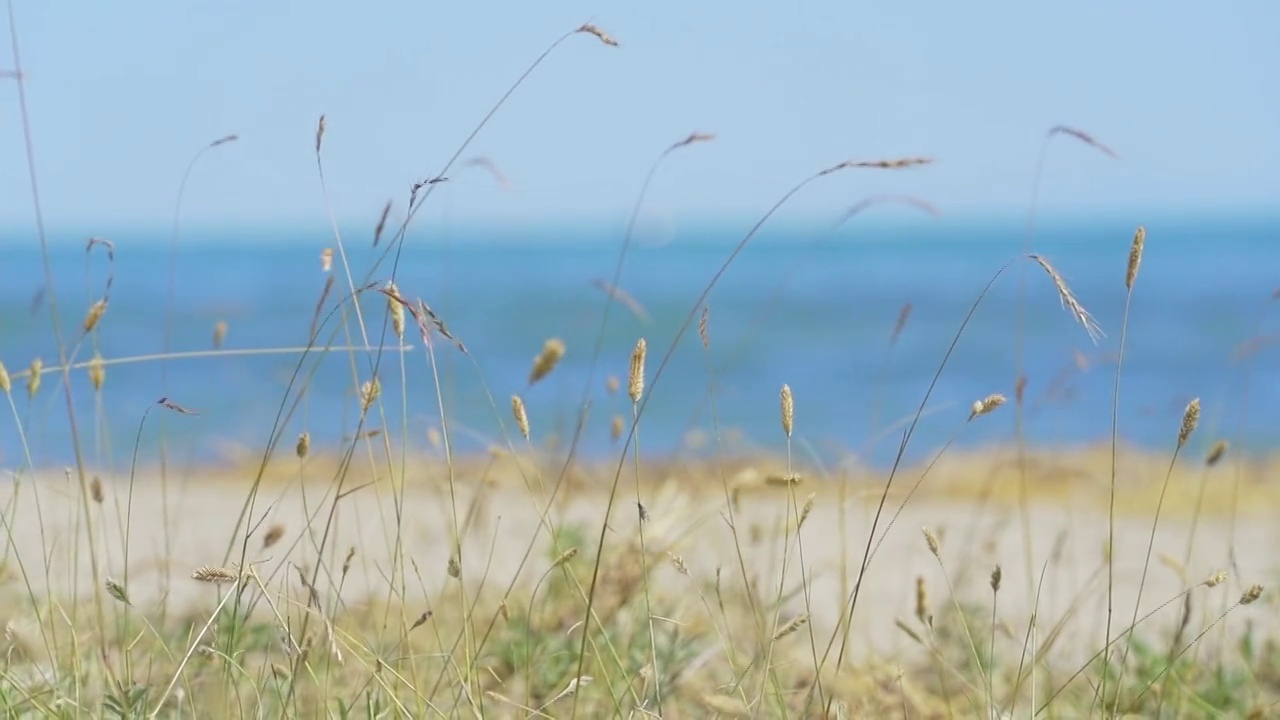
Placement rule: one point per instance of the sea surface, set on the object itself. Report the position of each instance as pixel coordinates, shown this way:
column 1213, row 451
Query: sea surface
column 806, row 306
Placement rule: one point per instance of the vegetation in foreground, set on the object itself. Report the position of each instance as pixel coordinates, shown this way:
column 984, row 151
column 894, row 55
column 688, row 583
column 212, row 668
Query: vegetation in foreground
column 604, row 617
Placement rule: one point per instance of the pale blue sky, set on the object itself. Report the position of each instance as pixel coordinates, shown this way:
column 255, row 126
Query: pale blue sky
column 122, row 94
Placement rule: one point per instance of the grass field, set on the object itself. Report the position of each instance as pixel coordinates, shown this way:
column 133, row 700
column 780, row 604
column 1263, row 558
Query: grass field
column 390, row 578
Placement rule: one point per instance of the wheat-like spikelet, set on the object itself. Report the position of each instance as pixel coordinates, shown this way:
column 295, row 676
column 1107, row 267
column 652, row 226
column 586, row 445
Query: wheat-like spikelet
column 319, row 133
column 210, row 574
column 616, row 426
column 168, row 404
column 795, row 624
column 565, row 557
column 996, row 576
column 804, row 511
column 703, row 331
column 1083, row 137
column 370, row 390
column 33, row 377
column 1135, row 257
column 635, row 374
column 94, row 314
column 1216, row 579
column 612, row 385
column 219, row 334
column 986, row 405
column 677, row 561
column 396, row 308
column 546, row 361
column 693, row 137
column 97, row 372
column 304, row 445
column 272, row 536
column 922, row 600
column 326, row 260
column 591, row 29
column 1253, row 593
column 346, row 562
column 1190, row 419
column 95, row 490
column 891, row 164
column 1068, row 299
column 118, row 591
column 1216, row 452
column 6, row 384
column 788, row 410
column 521, row 416
column 930, row 539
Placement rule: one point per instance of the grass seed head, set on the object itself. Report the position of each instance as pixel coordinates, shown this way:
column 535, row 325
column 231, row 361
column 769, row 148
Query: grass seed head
column 552, row 352
column 118, row 591
column 922, row 600
column 210, row 574
column 986, row 405
column 1216, row 452
column 272, row 536
column 1069, row 301
column 788, row 410
column 1252, row 594
column 1190, row 419
column 795, row 624
column 612, row 385
column 97, row 372
column 319, row 133
column 219, row 334
column 95, row 489
column 396, row 308
column 616, row 426
column 635, row 375
column 703, row 332
column 95, row 313
column 931, row 539
column 369, row 393
column 996, row 576
column 304, row 445
column 604, row 37
column 33, row 378
column 521, row 416
column 6, row 384
column 1135, row 257
column 1216, row 579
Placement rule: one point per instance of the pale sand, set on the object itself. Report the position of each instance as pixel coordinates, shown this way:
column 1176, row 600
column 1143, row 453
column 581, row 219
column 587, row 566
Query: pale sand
column 1068, row 536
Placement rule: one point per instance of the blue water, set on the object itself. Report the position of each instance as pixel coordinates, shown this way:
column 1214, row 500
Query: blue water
column 801, row 306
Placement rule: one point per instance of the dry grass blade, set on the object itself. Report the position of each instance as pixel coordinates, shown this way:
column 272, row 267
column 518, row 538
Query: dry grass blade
column 1068, row 299
column 1083, row 137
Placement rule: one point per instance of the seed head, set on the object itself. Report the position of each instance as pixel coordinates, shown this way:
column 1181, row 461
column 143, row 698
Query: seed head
column 616, row 427
column 931, row 539
column 95, row 489
column 117, row 591
column 1068, row 299
column 788, row 410
column 1135, row 257
column 304, row 445
column 211, row 574
column 6, row 384
column 986, row 405
column 396, row 308
column 922, row 600
column 703, row 331
column 611, row 385
column 1216, row 579
column 94, row 315
column 369, row 392
column 635, row 376
column 97, row 372
column 792, row 626
column 1190, row 419
column 1253, row 593
column 272, row 536
column 546, row 361
column 521, row 416
column 33, row 379
column 1215, row 453
column 593, row 30
column 996, row 576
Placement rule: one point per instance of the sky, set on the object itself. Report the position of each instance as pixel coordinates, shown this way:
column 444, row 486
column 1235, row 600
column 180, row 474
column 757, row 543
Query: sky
column 123, row 95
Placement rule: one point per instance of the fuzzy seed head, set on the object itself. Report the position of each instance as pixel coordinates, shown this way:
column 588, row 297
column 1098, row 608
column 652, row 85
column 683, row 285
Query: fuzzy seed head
column 788, row 410
column 521, row 416
column 319, row 133
column 565, row 557
column 33, row 379
column 986, row 405
column 996, row 576
column 1068, row 299
column 635, row 375
column 396, row 309
column 616, row 427
column 303, row 446
column 369, row 392
column 804, row 511
column 1190, row 419
column 272, row 536
column 95, row 489
column 552, row 352
column 326, row 260
column 454, row 568
column 97, row 372
column 6, row 384
column 1215, row 453
column 219, row 334
column 94, row 315
column 612, row 385
column 1135, row 257
column 1252, row 594
column 602, row 35
column 792, row 626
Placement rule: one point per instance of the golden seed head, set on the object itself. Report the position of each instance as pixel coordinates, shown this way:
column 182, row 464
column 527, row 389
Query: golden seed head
column 792, row 626
column 788, row 410
column 6, row 384
column 1216, row 579
column 604, row 37
column 211, row 574
column 1190, row 419
column 521, row 416
column 326, row 260
column 611, row 384
column 931, row 539
column 922, row 599
column 804, row 512
column 272, row 536
column 97, row 371
column 33, row 379
column 986, row 405
column 635, row 376
column 996, row 576
column 546, row 361
column 703, row 332
column 565, row 557
column 396, row 308
column 1135, row 257
column 1215, row 453
column 369, row 392
column 94, row 315
column 1253, row 593
column 304, row 445
column 616, row 427
column 219, row 334
column 95, row 489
